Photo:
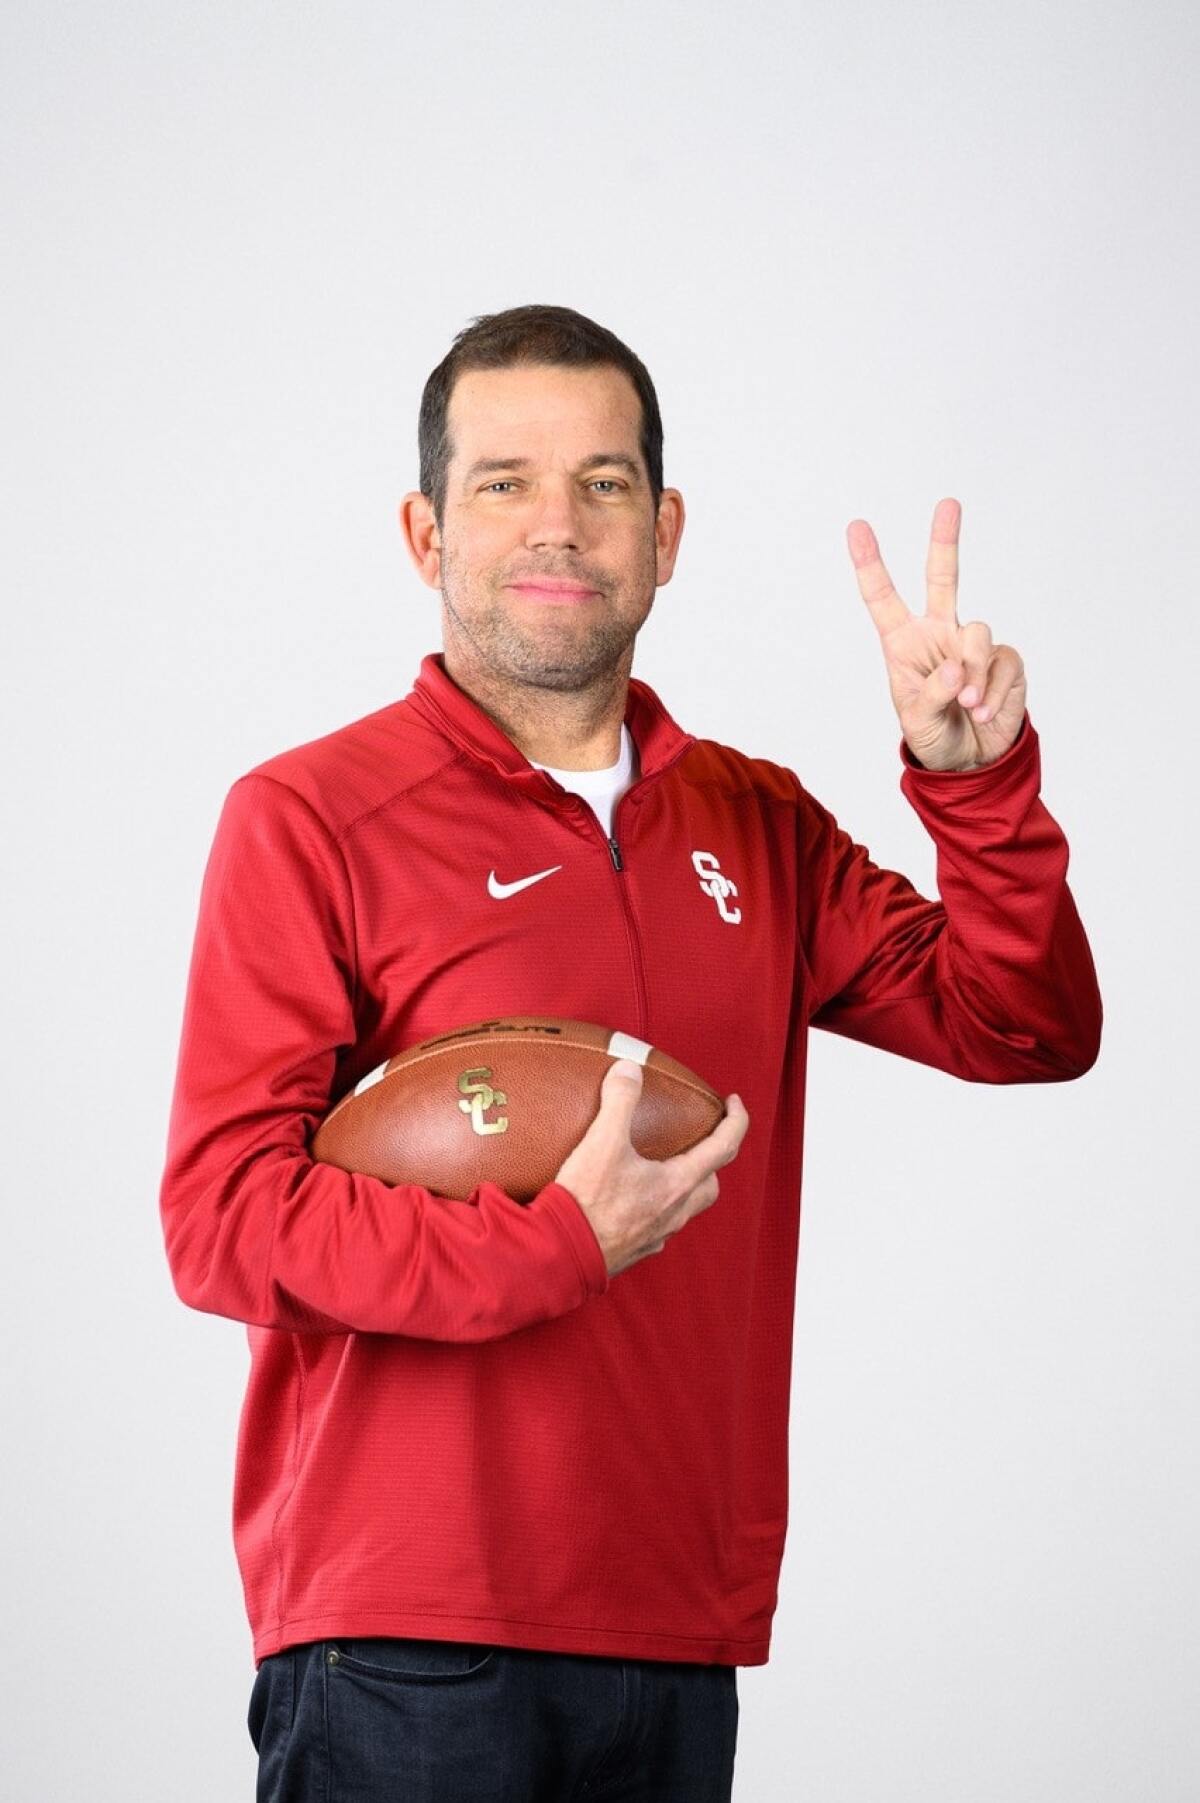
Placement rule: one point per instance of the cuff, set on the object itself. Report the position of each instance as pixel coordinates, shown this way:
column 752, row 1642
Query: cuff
column 1001, row 790
column 573, row 1223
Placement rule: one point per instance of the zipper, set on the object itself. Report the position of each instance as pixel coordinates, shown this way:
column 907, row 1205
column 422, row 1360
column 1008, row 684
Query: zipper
column 631, row 932
column 618, row 865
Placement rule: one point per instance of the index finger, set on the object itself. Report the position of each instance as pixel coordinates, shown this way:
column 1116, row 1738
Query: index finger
column 716, row 1148
column 874, row 584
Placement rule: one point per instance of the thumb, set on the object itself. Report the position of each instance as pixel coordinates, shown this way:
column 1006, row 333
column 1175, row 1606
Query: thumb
column 937, row 692
column 621, row 1089
column 949, row 674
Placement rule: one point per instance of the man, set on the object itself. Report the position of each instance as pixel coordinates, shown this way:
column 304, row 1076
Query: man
column 511, row 1492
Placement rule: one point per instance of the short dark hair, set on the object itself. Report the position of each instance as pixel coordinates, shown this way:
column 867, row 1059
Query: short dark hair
column 531, row 334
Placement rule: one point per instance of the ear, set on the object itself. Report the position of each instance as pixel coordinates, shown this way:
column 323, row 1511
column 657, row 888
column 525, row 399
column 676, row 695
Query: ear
column 668, row 529
column 422, row 537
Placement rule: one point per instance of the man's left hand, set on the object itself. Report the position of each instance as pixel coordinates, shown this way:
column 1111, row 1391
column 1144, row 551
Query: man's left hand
column 960, row 699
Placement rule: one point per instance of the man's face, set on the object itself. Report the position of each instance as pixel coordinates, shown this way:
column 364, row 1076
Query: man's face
column 546, row 483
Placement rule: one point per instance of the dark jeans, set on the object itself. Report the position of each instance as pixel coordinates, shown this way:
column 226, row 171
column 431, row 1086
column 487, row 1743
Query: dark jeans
column 450, row 1721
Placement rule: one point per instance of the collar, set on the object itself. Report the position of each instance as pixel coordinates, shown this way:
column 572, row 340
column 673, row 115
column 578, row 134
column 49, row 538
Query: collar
column 438, row 698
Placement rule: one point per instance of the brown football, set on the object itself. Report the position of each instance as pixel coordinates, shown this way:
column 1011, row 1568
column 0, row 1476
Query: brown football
column 504, row 1101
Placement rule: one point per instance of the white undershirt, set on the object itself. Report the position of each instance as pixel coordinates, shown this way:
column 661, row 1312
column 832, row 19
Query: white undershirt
column 601, row 789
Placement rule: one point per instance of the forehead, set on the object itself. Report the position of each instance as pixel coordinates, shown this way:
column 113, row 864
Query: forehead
column 547, row 409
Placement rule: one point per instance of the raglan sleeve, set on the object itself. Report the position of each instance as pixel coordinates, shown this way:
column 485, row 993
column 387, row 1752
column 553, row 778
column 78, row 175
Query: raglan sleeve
column 994, row 981
column 254, row 1228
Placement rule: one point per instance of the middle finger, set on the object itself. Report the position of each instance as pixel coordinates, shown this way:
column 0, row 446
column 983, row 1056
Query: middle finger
column 941, row 565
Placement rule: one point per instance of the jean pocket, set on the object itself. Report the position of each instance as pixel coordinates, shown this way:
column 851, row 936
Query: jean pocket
column 405, row 1661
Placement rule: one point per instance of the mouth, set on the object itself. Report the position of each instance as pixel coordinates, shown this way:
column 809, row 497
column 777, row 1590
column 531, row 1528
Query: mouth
column 562, row 593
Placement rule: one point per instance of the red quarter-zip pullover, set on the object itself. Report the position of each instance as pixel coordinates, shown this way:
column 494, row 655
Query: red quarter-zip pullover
column 456, row 1426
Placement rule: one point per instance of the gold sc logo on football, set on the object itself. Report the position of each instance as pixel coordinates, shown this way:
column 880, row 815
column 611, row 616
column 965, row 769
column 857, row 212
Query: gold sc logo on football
column 479, row 1096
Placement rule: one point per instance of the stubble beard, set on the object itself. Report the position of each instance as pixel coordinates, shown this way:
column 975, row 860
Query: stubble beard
column 559, row 651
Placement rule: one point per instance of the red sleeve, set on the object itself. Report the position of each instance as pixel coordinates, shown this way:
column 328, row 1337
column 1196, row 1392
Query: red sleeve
column 995, row 982
column 254, row 1229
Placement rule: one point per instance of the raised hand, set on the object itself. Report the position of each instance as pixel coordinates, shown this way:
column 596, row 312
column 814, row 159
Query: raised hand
column 960, row 699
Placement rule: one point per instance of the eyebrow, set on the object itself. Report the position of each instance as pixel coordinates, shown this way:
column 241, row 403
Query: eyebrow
column 486, row 466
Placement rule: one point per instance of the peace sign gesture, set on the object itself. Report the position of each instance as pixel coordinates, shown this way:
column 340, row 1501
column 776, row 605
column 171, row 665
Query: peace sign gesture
column 960, row 698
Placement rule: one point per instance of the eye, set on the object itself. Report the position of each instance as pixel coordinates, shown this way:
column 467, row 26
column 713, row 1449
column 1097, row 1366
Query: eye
column 504, row 482
column 612, row 483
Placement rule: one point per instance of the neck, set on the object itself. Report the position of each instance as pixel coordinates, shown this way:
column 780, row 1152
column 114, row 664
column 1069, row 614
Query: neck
column 576, row 729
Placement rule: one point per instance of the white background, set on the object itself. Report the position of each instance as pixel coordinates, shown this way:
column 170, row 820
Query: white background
column 871, row 256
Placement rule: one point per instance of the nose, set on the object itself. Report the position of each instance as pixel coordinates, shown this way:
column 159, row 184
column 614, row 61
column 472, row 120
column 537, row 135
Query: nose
column 554, row 516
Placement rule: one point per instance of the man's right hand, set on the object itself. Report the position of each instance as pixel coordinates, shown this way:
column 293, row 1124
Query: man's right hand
column 635, row 1204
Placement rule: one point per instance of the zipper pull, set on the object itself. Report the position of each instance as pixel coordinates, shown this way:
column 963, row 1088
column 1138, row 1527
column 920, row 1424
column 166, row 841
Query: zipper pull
column 615, row 853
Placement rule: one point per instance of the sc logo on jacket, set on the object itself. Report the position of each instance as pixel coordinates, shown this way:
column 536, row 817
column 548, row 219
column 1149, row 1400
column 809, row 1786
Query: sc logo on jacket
column 714, row 882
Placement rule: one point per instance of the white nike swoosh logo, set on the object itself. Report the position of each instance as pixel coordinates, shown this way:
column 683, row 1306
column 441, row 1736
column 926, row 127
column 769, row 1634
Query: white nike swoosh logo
column 500, row 890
